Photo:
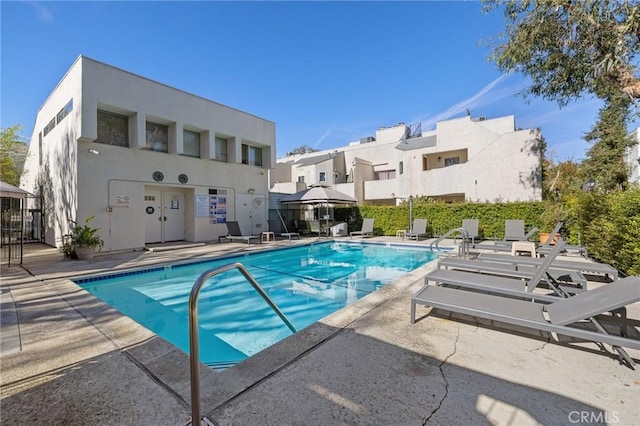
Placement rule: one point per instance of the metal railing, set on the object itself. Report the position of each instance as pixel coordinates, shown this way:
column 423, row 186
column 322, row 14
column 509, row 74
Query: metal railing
column 463, row 249
column 194, row 350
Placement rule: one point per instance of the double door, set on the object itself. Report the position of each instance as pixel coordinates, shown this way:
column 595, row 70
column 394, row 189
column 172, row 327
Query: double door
column 164, row 215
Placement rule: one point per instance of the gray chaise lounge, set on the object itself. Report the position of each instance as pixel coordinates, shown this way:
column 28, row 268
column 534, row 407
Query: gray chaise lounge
column 561, row 314
column 234, row 234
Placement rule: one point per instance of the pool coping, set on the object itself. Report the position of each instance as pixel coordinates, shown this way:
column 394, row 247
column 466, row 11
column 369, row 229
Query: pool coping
column 169, row 365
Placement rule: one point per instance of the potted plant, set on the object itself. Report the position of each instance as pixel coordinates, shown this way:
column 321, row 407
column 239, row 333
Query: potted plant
column 83, row 241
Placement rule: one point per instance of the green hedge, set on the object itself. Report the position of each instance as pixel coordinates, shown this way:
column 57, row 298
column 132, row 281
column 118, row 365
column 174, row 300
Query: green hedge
column 442, row 217
column 610, row 227
column 607, row 224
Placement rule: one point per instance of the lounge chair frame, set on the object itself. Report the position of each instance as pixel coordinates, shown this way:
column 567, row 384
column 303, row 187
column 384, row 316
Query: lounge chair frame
column 571, row 265
column 505, row 285
column 234, row 234
column 613, row 297
column 277, row 230
column 366, row 230
column 418, row 229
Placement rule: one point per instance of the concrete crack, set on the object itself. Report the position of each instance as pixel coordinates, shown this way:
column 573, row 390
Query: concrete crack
column 540, row 347
column 444, row 377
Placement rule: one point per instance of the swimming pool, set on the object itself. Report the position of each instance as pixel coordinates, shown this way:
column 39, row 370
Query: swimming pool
column 306, row 282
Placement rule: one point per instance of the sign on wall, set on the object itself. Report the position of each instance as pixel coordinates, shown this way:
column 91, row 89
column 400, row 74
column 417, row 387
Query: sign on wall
column 202, row 206
column 213, row 205
column 218, row 208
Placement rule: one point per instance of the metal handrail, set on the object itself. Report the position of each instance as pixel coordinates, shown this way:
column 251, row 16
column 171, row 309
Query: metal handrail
column 463, row 251
column 194, row 350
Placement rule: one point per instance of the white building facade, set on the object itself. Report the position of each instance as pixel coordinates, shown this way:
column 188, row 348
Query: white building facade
column 463, row 159
column 150, row 162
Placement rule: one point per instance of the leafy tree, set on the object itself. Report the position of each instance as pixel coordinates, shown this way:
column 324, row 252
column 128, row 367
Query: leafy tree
column 302, row 149
column 605, row 159
column 13, row 151
column 569, row 47
column 572, row 48
column 560, row 179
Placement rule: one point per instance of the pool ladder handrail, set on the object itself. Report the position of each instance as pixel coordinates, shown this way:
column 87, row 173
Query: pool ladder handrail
column 194, row 350
column 463, row 249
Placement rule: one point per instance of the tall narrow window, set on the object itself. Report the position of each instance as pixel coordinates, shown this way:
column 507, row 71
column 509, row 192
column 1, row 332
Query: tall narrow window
column 64, row 111
column 113, row 129
column 401, row 168
column 323, row 177
column 157, row 137
column 40, row 149
column 251, row 155
column 191, row 143
column 221, row 149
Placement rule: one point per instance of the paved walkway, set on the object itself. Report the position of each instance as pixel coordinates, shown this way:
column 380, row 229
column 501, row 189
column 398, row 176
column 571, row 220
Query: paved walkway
column 67, row 358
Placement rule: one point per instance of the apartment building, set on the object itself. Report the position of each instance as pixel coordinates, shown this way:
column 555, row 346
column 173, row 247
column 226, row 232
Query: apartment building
column 463, row 159
column 150, row 162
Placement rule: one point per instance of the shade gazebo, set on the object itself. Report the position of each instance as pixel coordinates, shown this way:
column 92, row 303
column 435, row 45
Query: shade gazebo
column 9, row 232
column 319, row 195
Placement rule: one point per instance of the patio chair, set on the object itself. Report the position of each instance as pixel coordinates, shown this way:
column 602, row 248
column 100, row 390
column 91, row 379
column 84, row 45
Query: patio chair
column 418, row 229
column 569, row 280
column 580, row 266
column 365, row 231
column 274, row 226
column 315, row 228
column 563, row 314
column 514, row 231
column 509, row 284
column 547, row 244
column 471, row 226
column 234, row 234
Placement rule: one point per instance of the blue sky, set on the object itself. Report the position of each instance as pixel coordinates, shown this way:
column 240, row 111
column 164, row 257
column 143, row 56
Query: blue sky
column 327, row 73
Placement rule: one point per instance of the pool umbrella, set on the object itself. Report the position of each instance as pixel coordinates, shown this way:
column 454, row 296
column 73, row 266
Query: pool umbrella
column 319, row 194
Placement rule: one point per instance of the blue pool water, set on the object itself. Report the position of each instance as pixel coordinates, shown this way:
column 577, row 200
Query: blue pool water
column 306, row 282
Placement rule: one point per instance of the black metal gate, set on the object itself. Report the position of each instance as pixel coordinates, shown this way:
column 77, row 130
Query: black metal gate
column 22, row 221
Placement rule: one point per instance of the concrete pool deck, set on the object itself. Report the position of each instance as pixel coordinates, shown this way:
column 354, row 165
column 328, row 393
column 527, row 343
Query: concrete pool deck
column 67, row 358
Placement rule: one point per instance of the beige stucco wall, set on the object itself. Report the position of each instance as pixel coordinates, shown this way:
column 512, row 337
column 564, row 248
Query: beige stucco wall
column 81, row 184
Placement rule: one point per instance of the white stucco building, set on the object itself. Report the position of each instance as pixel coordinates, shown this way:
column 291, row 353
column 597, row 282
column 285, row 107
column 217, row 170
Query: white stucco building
column 464, row 159
column 150, row 162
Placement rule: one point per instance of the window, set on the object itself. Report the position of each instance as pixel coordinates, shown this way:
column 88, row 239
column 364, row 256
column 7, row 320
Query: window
column 451, row 161
column 113, row 129
column 384, row 175
column 323, row 177
column 40, row 148
column 191, row 143
column 157, row 137
column 301, row 179
column 64, row 111
column 221, row 149
column 49, row 127
column 401, row 168
column 251, row 155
